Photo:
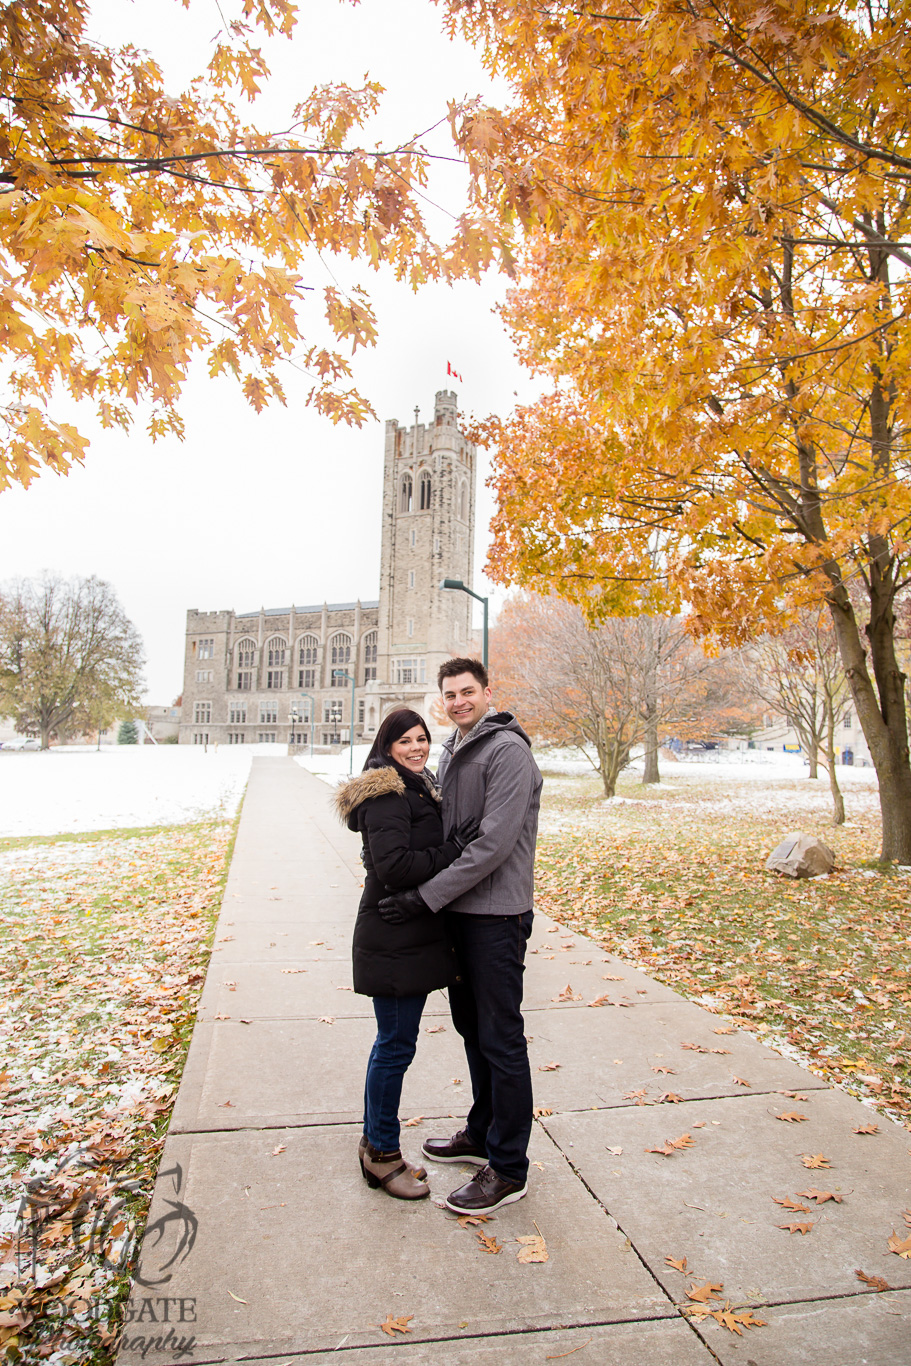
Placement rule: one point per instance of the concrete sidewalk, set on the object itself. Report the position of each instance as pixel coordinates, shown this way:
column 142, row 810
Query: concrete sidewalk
column 264, row 1244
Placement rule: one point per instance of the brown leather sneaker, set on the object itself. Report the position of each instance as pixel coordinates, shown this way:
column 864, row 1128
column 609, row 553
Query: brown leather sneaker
column 485, row 1192
column 460, row 1148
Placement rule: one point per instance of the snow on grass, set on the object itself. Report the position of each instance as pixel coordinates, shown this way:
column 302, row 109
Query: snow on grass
column 71, row 790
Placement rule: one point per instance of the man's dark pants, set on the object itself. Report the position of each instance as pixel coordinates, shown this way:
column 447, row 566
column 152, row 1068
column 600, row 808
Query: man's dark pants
column 486, row 1010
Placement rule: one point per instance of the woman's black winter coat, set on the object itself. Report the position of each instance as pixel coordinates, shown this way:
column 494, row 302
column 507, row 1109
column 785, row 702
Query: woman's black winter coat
column 402, row 830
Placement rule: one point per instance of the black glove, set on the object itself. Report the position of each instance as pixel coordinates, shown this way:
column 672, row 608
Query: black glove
column 464, row 833
column 402, row 907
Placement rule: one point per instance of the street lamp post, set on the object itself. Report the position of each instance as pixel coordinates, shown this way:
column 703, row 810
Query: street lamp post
column 461, row 587
column 312, row 719
column 343, row 673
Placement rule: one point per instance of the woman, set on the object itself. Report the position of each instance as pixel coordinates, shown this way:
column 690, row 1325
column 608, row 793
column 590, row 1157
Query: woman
column 395, row 804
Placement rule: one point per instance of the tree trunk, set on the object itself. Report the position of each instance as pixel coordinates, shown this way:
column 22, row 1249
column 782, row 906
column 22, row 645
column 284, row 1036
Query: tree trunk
column 885, row 730
column 650, row 772
column 838, row 801
column 813, row 754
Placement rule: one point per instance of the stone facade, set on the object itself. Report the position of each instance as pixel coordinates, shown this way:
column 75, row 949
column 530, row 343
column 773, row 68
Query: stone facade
column 269, row 676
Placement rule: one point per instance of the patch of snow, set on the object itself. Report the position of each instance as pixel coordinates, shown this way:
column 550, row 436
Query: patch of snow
column 75, row 789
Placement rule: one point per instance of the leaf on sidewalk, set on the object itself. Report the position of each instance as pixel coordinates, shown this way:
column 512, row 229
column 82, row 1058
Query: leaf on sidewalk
column 220, row 1015
column 611, row 977
column 326, row 1019
column 399, row 1325
column 669, row 1098
column 489, row 1242
column 702, row 1293
column 548, row 1067
column 866, row 1129
column 734, row 1322
column 900, row 1246
column 694, row 1047
column 723, row 1029
column 470, row 1220
column 289, row 972
column 792, row 1205
column 739, row 1081
column 875, row 1282
column 615, row 1152
column 541, row 1112
column 603, row 1000
column 664, row 1071
column 567, row 994
column 814, row 1160
column 796, row 1228
column 820, row 1196
column 534, row 1248
column 794, row 1095
column 435, row 1029
column 410, row 1123
column 792, row 1117
column 674, row 1264
column 279, row 1149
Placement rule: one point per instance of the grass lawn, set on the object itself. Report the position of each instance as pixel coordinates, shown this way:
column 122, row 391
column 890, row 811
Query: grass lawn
column 104, row 942
column 672, row 879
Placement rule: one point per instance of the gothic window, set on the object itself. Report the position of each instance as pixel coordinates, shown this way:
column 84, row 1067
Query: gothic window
column 275, row 649
column 425, row 490
column 268, row 713
column 206, row 648
column 308, row 645
column 246, row 654
column 406, row 493
column 340, row 657
column 369, row 656
column 202, row 713
column 237, row 714
column 463, row 503
column 408, row 671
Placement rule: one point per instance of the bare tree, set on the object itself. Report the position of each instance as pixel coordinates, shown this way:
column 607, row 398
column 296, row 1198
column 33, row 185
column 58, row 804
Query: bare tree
column 606, row 690
column 800, row 677
column 68, row 652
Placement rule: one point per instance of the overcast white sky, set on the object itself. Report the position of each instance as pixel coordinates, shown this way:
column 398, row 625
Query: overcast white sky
column 250, row 511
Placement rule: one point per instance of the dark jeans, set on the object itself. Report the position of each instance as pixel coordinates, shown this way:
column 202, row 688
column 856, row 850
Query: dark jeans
column 398, row 1020
column 486, row 1009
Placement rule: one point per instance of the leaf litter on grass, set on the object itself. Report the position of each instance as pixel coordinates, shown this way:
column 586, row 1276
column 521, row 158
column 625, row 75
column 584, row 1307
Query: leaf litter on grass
column 673, row 881
column 103, row 950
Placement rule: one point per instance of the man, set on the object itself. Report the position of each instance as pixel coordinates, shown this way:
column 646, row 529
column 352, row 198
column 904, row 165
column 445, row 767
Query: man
column 487, row 771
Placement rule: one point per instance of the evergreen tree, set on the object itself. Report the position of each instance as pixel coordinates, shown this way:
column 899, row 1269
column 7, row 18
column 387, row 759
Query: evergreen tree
column 128, row 734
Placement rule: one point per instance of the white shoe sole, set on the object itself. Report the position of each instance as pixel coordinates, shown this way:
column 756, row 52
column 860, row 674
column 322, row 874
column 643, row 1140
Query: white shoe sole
column 472, row 1161
column 487, row 1209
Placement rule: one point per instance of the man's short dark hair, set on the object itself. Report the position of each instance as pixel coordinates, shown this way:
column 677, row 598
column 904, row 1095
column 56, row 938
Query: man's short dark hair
column 453, row 667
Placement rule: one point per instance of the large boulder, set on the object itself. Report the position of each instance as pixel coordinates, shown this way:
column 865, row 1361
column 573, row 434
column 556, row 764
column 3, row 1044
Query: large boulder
column 801, row 855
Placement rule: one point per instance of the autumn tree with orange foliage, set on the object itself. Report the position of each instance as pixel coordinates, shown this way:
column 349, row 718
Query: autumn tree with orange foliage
column 715, row 278
column 142, row 231
column 607, row 689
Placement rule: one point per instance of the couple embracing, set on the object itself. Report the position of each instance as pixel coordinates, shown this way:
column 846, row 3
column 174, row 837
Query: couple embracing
column 447, row 902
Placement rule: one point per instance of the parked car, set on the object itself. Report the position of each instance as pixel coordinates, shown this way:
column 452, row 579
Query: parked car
column 21, row 742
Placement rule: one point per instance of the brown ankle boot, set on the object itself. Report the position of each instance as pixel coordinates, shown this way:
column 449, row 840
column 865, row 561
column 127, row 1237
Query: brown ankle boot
column 393, row 1174
column 419, row 1172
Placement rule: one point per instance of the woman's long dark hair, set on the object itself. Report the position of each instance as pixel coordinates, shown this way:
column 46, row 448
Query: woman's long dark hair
column 392, row 728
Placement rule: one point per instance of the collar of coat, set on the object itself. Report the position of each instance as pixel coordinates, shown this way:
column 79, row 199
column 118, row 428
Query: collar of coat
column 375, row 782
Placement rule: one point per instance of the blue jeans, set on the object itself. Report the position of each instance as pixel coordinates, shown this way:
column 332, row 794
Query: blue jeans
column 398, row 1019
column 486, row 1009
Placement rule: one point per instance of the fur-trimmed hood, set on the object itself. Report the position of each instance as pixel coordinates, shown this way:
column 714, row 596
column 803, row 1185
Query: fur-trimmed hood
column 375, row 782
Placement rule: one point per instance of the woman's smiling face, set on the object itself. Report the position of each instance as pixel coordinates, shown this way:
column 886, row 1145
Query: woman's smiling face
column 411, row 749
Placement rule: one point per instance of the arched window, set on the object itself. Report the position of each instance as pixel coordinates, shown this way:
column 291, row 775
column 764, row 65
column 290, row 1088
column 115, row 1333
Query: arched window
column 406, row 494
column 275, row 652
column 425, row 490
column 245, row 653
column 276, row 649
column 308, row 646
column 308, row 653
column 340, row 657
column 463, row 503
column 369, row 656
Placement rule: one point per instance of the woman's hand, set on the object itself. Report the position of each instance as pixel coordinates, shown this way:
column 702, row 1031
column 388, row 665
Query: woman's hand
column 463, row 834
column 402, row 906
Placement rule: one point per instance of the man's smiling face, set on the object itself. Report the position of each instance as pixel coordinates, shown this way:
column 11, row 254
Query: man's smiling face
column 465, row 701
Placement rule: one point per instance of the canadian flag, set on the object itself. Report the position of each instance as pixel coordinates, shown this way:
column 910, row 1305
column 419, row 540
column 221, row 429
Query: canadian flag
column 450, row 370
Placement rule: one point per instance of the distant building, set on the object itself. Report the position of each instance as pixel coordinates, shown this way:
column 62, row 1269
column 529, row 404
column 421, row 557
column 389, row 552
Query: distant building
column 162, row 723
column 270, row 676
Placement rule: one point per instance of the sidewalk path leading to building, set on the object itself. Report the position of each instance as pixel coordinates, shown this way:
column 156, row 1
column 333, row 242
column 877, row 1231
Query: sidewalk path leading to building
column 264, row 1244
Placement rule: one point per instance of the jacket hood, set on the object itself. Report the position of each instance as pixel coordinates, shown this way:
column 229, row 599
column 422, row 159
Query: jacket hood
column 494, row 721
column 376, row 782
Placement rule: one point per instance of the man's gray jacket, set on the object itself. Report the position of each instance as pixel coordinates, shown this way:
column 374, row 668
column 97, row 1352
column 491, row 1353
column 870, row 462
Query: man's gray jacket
column 493, row 777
